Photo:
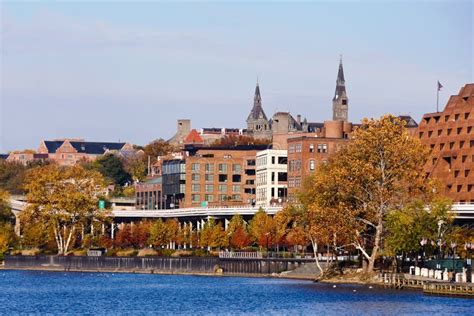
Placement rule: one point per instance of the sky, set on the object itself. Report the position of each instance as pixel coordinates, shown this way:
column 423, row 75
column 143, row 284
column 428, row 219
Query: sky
column 110, row 71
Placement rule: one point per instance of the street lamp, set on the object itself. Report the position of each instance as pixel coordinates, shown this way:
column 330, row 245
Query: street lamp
column 468, row 246
column 453, row 246
column 423, row 243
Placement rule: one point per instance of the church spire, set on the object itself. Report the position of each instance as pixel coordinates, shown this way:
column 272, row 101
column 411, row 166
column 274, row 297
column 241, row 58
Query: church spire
column 340, row 102
column 340, row 82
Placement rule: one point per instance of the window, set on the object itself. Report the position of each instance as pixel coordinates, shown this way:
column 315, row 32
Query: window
column 469, row 129
column 251, row 162
column 440, row 131
column 195, row 167
column 466, row 115
column 208, row 197
column 236, row 168
column 311, row 146
column 236, row 188
column 223, row 168
column 209, row 167
column 209, row 188
column 282, row 177
column 456, row 173
column 209, row 178
column 467, row 172
column 236, row 178
column 449, row 131
column 222, row 178
column 435, row 160
column 421, row 134
column 298, row 148
column 236, row 197
column 222, row 187
column 195, row 198
column 273, row 160
column 322, row 148
column 456, row 117
column 297, row 182
column 282, row 160
column 461, row 144
column 451, row 145
column 459, row 188
column 222, row 197
column 291, row 148
column 459, row 130
column 195, row 177
column 446, row 118
column 195, row 187
column 311, row 165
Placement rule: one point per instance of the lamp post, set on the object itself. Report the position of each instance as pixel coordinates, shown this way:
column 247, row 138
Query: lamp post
column 453, row 247
column 468, row 246
column 423, row 242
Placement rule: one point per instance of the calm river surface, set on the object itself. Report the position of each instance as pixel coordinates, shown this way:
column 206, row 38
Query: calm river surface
column 108, row 293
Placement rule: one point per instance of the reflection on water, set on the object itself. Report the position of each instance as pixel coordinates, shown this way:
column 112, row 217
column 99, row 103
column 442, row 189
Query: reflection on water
column 108, row 293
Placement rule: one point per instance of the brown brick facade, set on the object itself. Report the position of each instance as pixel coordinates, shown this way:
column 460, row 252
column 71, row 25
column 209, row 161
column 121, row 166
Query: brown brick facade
column 450, row 136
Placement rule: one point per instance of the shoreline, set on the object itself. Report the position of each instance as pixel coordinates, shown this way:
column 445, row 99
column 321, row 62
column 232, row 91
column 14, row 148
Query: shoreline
column 151, row 271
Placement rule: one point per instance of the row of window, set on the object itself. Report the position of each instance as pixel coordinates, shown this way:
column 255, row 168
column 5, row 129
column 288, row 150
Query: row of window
column 262, row 161
column 452, row 159
column 458, row 188
column 209, row 177
column 449, row 131
column 196, row 198
column 294, row 182
column 274, row 177
column 210, row 187
column 462, row 144
column 297, row 148
column 454, row 117
column 221, row 167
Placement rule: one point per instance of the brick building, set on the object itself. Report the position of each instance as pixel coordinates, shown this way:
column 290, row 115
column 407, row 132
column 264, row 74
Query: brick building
column 149, row 194
column 209, row 176
column 450, row 136
column 70, row 151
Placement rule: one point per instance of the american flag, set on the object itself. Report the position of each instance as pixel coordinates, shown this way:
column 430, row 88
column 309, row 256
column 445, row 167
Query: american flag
column 439, row 86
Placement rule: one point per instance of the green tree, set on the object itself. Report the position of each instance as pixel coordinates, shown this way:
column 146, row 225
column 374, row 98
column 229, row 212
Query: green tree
column 406, row 227
column 6, row 214
column 112, row 168
column 62, row 198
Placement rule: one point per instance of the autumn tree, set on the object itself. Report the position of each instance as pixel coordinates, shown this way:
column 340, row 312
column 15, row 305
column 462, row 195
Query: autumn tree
column 379, row 171
column 62, row 198
column 236, row 140
column 156, row 148
column 237, row 233
column 262, row 229
column 6, row 214
column 135, row 165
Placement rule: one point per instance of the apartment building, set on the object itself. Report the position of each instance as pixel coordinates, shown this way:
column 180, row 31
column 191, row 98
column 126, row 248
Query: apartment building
column 271, row 179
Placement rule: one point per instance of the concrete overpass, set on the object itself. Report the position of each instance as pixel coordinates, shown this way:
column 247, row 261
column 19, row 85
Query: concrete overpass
column 196, row 216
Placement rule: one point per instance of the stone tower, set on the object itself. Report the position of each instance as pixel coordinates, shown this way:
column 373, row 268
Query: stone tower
column 258, row 125
column 340, row 102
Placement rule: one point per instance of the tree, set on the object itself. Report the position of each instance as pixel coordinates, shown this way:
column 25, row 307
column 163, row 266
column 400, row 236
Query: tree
column 262, row 229
column 61, row 198
column 158, row 233
column 7, row 238
column 6, row 214
column 12, row 176
column 232, row 140
column 380, row 170
column 112, row 168
column 237, row 232
column 406, row 227
column 135, row 165
column 158, row 147
column 219, row 238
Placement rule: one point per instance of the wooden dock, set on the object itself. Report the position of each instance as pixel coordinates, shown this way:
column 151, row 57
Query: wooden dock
column 429, row 287
column 449, row 289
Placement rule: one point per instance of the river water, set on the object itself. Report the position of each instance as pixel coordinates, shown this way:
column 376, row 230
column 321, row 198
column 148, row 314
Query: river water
column 109, row 293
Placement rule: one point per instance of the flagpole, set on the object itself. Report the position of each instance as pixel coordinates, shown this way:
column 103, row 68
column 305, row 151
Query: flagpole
column 437, row 98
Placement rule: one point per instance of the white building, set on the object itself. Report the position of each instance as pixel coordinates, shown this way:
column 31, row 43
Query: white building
column 271, row 178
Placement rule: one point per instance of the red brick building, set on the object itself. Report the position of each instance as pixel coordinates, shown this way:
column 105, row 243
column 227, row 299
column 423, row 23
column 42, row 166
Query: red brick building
column 450, row 136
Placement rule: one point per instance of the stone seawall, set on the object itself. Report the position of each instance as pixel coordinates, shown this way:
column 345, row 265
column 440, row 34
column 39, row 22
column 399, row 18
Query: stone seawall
column 188, row 265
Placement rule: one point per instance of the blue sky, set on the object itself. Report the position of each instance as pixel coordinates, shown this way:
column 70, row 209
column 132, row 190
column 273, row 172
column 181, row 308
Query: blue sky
column 109, row 71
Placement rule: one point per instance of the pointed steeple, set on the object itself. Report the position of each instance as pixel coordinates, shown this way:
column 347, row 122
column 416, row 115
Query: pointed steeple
column 257, row 109
column 340, row 82
column 340, row 102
